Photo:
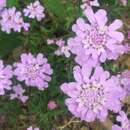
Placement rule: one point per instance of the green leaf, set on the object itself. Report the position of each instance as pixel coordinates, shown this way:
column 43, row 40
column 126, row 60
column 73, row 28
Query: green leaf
column 8, row 42
column 11, row 3
column 56, row 7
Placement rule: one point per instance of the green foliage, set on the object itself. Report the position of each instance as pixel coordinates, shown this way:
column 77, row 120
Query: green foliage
column 8, row 42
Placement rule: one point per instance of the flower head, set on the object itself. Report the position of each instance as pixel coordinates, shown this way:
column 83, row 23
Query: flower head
column 6, row 74
column 35, row 71
column 34, row 10
column 96, row 41
column 52, row 105
column 93, row 93
column 18, row 93
column 125, row 122
column 12, row 21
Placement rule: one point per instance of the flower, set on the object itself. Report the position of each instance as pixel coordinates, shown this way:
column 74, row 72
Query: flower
column 6, row 74
column 52, row 105
column 87, row 3
column 125, row 122
column 93, row 93
column 12, row 20
column 96, row 42
column 34, row 10
column 2, row 4
column 35, row 71
column 125, row 81
column 18, row 93
column 31, row 128
column 62, row 48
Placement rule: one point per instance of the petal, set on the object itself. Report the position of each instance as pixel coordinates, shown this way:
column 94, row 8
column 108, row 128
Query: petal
column 101, row 17
column 115, row 25
column 116, row 35
column 90, row 15
column 78, row 74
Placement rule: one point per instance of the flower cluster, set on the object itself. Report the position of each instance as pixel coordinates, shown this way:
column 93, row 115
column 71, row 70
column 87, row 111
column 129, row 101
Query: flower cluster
column 35, row 71
column 34, row 10
column 125, row 122
column 18, row 92
column 93, row 93
column 97, row 41
column 12, row 20
column 62, row 48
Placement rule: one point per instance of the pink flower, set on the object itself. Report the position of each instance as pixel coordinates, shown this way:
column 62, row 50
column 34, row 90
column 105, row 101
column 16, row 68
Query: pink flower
column 6, row 74
column 63, row 50
column 52, row 105
column 34, row 70
column 93, row 93
column 18, row 93
column 31, row 128
column 96, row 41
column 12, row 21
column 35, row 10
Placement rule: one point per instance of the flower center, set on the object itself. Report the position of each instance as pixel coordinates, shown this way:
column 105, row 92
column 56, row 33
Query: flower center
column 91, row 96
column 32, row 71
column 96, row 38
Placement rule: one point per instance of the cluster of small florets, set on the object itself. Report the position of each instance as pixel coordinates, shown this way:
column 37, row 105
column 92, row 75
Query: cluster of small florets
column 12, row 20
column 62, row 48
column 35, row 71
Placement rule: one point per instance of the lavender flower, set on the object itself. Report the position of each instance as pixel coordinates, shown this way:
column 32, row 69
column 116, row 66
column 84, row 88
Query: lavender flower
column 18, row 93
column 62, row 48
column 6, row 74
column 35, row 10
column 93, row 93
column 96, row 42
column 12, row 21
column 35, row 71
column 125, row 122
column 31, row 128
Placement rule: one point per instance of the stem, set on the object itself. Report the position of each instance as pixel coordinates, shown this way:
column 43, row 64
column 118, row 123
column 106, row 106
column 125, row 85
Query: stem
column 71, row 121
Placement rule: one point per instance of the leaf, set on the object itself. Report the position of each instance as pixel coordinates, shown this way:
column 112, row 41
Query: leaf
column 12, row 3
column 56, row 7
column 8, row 42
